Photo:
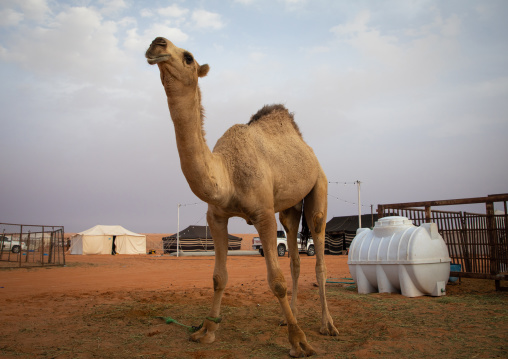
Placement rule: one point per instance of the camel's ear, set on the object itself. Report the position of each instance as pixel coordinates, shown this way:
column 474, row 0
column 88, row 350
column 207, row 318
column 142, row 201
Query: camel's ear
column 203, row 70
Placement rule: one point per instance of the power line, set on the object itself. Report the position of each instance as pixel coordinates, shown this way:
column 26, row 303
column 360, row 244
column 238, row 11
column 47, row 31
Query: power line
column 358, row 184
column 349, row 202
column 346, row 182
column 199, row 220
column 189, row 204
column 178, row 225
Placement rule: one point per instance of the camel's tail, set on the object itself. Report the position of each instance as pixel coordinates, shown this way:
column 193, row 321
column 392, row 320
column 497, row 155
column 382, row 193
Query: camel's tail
column 305, row 233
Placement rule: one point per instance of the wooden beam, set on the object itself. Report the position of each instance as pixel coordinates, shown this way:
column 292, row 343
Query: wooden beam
column 448, row 202
column 479, row 275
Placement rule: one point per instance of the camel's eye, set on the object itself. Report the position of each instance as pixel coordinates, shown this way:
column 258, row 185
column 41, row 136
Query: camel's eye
column 188, row 58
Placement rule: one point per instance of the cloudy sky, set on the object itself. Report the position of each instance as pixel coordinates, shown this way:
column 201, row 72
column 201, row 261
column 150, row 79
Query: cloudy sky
column 409, row 97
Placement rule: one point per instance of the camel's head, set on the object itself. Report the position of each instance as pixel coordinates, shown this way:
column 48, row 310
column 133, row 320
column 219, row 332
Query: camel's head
column 177, row 66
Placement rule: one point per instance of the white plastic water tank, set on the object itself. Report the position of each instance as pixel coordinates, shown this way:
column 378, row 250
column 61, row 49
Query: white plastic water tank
column 397, row 256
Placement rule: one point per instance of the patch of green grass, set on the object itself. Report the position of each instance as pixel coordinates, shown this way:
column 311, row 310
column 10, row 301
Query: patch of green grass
column 379, row 325
column 461, row 325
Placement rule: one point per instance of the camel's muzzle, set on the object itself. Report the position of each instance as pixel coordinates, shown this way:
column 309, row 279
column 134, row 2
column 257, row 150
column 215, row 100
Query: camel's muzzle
column 159, row 41
column 152, row 53
column 152, row 60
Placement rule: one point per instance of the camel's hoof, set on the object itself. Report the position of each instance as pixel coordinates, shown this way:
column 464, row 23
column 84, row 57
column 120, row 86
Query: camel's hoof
column 198, row 335
column 208, row 338
column 299, row 346
column 203, row 337
column 329, row 329
column 303, row 350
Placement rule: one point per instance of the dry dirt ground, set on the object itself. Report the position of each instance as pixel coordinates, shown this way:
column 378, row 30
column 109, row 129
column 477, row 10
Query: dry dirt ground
column 107, row 307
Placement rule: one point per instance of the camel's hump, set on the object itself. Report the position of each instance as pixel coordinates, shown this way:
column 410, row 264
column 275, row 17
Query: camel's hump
column 269, row 109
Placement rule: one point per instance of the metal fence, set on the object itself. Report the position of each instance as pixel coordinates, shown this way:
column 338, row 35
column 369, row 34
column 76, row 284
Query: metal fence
column 478, row 242
column 24, row 245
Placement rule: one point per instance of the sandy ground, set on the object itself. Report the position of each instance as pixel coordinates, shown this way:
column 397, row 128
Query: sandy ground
column 107, row 307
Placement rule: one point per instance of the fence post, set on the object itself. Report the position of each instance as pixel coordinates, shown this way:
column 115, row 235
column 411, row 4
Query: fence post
column 505, row 221
column 464, row 238
column 51, row 247
column 2, row 244
column 63, row 244
column 491, row 235
column 42, row 248
column 428, row 215
column 27, row 247
column 20, row 238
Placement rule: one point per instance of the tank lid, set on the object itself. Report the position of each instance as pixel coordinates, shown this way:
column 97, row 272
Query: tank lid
column 394, row 221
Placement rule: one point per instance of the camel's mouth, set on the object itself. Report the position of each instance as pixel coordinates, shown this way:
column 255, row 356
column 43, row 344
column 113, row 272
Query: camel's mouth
column 156, row 59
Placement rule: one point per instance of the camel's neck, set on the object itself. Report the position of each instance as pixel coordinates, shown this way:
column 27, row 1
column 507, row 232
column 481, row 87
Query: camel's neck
column 198, row 164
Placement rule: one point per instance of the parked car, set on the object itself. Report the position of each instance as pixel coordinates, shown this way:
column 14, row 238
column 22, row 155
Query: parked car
column 310, row 250
column 282, row 245
column 9, row 244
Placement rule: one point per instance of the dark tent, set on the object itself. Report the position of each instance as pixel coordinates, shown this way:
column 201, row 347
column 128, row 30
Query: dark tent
column 340, row 231
column 197, row 239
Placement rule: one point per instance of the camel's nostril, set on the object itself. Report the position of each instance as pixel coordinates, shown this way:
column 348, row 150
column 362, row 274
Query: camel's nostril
column 159, row 41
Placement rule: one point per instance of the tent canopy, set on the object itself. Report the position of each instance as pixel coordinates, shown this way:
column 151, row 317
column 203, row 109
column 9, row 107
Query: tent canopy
column 201, row 232
column 196, row 239
column 108, row 240
column 101, row 230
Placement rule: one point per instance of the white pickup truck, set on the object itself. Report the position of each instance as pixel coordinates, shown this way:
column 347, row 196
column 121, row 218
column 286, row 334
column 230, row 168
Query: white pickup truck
column 9, row 244
column 282, row 245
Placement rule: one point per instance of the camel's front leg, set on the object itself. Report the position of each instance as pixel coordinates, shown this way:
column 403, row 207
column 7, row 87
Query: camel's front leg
column 218, row 228
column 267, row 229
column 290, row 219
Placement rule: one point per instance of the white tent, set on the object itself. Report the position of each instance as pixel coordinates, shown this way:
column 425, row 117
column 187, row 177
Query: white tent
column 100, row 240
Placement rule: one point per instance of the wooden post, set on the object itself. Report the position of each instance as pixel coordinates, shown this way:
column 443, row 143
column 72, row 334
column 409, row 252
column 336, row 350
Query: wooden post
column 371, row 215
column 51, row 258
column 20, row 237
column 505, row 226
column 491, row 235
column 427, row 214
column 2, row 244
column 27, row 247
column 63, row 244
column 42, row 248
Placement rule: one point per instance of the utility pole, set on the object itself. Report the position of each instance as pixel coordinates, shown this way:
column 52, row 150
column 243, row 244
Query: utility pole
column 372, row 215
column 178, row 232
column 358, row 184
column 359, row 205
column 178, row 226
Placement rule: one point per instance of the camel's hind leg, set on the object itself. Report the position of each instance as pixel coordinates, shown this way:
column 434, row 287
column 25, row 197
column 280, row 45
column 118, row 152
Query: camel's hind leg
column 315, row 206
column 290, row 219
column 219, row 230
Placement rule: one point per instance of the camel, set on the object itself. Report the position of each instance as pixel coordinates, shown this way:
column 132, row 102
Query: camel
column 255, row 171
